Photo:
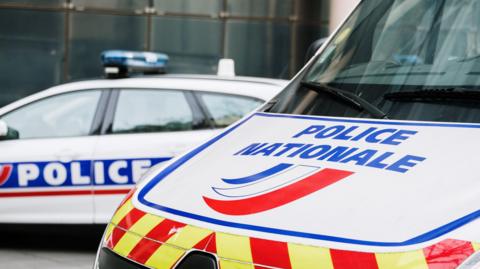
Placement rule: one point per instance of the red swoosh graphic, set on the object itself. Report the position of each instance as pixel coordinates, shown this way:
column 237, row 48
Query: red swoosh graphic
column 279, row 197
column 5, row 174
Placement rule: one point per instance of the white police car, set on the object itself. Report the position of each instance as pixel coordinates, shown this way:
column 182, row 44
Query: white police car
column 368, row 159
column 68, row 154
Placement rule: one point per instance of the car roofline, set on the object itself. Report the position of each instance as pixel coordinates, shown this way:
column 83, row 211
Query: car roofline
column 103, row 84
column 246, row 79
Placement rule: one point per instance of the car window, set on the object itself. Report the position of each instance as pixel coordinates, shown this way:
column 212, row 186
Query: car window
column 226, row 109
column 64, row 115
column 144, row 111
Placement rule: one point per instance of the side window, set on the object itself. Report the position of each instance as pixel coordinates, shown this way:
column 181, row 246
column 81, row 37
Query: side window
column 144, row 111
column 63, row 115
column 226, row 109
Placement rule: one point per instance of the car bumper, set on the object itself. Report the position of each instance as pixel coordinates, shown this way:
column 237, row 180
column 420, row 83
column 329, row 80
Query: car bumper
column 136, row 240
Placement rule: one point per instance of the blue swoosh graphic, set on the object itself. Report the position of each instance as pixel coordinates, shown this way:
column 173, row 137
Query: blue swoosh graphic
column 266, row 173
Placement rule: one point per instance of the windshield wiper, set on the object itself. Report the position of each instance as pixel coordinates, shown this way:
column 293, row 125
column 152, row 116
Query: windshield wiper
column 349, row 97
column 451, row 94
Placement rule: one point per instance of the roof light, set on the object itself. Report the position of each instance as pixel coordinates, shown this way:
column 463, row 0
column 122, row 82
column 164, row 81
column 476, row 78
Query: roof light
column 226, row 68
column 121, row 63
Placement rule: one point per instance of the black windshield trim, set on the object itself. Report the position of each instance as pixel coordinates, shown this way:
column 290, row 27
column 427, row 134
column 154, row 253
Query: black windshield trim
column 347, row 96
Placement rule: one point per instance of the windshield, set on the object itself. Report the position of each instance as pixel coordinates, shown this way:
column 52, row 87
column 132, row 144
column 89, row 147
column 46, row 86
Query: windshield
column 410, row 59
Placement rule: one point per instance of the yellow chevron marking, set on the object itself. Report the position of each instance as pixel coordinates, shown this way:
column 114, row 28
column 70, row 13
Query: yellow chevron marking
column 126, row 244
column 476, row 246
column 122, row 212
column 413, row 259
column 108, row 232
column 306, row 257
column 166, row 256
column 139, row 230
column 236, row 248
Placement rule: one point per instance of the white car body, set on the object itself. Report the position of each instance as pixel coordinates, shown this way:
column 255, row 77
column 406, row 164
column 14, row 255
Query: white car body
column 81, row 179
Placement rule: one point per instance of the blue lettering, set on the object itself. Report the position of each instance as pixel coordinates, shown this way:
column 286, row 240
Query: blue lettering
column 266, row 151
column 344, row 135
column 361, row 158
column 364, row 133
column 377, row 162
column 298, row 151
column 405, row 163
column 373, row 138
column 287, row 148
column 337, row 154
column 314, row 152
column 398, row 137
column 330, row 131
column 251, row 149
column 310, row 130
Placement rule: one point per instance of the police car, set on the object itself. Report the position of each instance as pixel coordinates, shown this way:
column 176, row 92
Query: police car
column 69, row 154
column 368, row 159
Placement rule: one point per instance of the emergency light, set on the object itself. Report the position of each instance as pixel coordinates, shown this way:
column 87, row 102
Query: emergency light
column 121, row 63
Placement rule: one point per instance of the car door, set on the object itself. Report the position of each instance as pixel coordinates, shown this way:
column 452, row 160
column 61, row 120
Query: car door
column 45, row 175
column 144, row 128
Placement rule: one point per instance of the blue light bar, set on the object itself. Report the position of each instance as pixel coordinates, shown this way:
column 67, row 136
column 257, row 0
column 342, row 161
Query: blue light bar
column 120, row 63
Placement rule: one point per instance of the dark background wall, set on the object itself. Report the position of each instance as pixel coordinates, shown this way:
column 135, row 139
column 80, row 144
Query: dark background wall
column 48, row 42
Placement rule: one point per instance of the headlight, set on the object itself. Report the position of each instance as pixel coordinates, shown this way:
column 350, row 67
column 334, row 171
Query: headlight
column 473, row 262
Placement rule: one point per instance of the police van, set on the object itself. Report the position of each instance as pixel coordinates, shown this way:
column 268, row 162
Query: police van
column 368, row 159
column 69, row 154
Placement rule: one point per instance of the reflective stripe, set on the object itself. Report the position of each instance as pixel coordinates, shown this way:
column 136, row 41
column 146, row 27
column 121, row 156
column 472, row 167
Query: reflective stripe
column 166, row 256
column 226, row 264
column 476, row 246
column 413, row 259
column 233, row 247
column 136, row 233
column 188, row 236
column 122, row 212
column 306, row 257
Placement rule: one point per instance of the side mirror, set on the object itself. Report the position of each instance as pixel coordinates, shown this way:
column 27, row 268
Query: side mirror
column 314, row 48
column 7, row 133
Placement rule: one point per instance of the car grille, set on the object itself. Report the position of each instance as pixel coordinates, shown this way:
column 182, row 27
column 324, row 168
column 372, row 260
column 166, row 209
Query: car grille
column 110, row 260
column 194, row 260
column 198, row 260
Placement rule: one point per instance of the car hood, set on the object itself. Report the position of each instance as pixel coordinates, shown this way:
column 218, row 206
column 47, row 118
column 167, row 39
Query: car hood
column 353, row 184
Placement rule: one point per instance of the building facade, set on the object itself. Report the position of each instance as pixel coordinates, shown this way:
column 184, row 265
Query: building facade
column 47, row 42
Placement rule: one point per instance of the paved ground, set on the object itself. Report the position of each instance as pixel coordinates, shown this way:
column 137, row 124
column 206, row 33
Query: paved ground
column 52, row 247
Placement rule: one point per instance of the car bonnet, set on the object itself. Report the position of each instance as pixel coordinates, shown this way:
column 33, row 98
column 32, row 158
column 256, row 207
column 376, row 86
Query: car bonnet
column 354, row 185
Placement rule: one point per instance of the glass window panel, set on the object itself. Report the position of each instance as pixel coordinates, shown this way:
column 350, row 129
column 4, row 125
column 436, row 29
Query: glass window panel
column 194, row 45
column 259, row 48
column 227, row 109
column 211, row 7
column 112, row 4
column 260, row 8
column 64, row 115
column 110, row 32
column 37, row 3
column 144, row 111
column 31, row 52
